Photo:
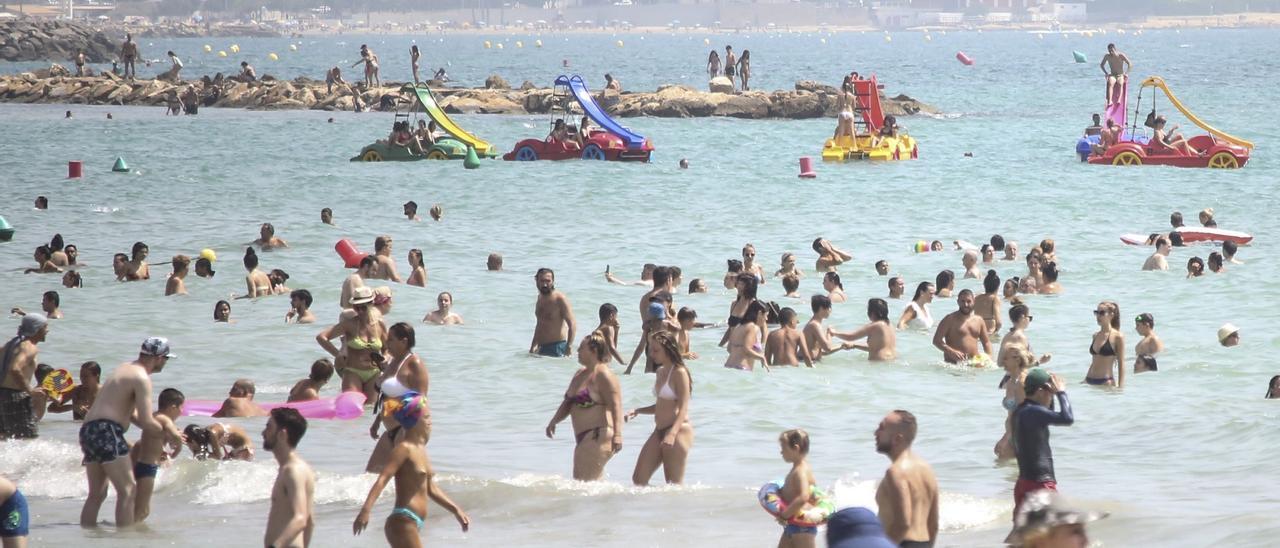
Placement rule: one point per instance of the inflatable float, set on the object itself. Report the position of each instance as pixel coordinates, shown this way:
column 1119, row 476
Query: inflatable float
column 344, row 406
column 351, row 255
column 1194, row 234
column 816, row 515
column 965, row 59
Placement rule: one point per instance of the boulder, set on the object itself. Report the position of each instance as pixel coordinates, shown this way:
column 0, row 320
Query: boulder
column 528, row 86
column 496, row 82
column 754, row 106
column 720, row 84
column 796, row 105
column 816, row 87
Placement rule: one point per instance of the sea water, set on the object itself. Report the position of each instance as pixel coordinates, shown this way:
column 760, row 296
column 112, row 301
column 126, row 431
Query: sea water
column 1184, row 456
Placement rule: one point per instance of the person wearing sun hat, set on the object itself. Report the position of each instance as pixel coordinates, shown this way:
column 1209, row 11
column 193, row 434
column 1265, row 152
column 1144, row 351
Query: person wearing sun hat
column 362, row 335
column 1031, row 421
column 1228, row 335
column 1046, row 521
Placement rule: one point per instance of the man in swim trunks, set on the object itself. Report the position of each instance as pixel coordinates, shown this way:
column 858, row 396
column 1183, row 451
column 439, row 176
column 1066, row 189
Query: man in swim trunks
column 908, row 495
column 730, row 63
column 239, row 402
column 150, row 450
column 1031, row 421
column 555, row 327
column 128, row 54
column 124, row 397
column 15, row 517
column 960, row 332
column 290, row 521
column 1115, row 66
column 20, row 401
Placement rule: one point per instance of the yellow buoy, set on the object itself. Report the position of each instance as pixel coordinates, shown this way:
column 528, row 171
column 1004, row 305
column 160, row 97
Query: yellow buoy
column 928, row 38
column 207, row 253
column 519, row 44
column 273, row 56
column 208, row 48
column 706, row 41
column 499, row 45
column 888, row 38
column 222, row 53
column 619, row 43
column 235, row 48
column 293, row 47
column 488, row 44
column 537, row 43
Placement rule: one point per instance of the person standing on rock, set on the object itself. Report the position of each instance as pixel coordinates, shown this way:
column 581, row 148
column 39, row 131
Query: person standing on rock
column 744, row 68
column 128, row 53
column 370, row 60
column 713, row 65
column 80, row 60
column 730, row 63
column 175, row 66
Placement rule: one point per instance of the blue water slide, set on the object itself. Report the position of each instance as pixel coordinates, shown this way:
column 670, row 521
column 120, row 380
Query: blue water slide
column 597, row 114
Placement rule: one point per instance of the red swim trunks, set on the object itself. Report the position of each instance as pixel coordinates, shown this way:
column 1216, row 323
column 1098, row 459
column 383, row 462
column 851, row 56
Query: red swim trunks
column 1024, row 487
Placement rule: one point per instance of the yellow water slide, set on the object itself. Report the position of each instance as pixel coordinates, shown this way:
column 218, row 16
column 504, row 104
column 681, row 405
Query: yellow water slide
column 442, row 120
column 1158, row 82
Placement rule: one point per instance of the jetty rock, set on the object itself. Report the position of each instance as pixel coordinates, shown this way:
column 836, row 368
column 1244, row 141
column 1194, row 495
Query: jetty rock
column 40, row 40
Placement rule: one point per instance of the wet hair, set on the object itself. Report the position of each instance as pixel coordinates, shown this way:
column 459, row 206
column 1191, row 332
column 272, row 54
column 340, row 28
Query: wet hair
column 921, row 289
column 945, row 279
column 786, row 315
column 1050, row 271
column 250, row 259
column 878, row 310
column 1115, row 312
column 997, row 242
column 598, row 344
column 896, row 278
column 661, row 276
column 302, row 294
column 735, row 266
column 170, row 397
column 56, row 243
column 1215, row 261
column 292, row 422
column 790, row 283
column 270, row 228
column 797, row 438
column 881, row 263
column 326, row 210
column 751, row 285
column 1175, row 219
column 985, row 248
column 181, row 262
column 218, row 305
column 380, row 243
column 607, row 310
column 53, row 297
column 368, row 261
column 1046, row 245
column 73, row 279
column 93, row 367
column 494, row 262
column 1146, row 318
column 544, row 270
column 693, row 284
column 43, row 251
column 1195, row 260
column 138, row 247
column 321, row 370
column 907, row 422
column 818, row 302
column 1229, row 249
column 1271, row 383
column 411, row 205
column 834, row 278
column 817, row 242
column 277, row 274
column 1175, row 239
column 991, row 283
column 403, row 331
column 686, row 313
column 1017, row 312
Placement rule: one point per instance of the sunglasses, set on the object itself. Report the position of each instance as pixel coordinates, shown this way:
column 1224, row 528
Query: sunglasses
column 1099, row 312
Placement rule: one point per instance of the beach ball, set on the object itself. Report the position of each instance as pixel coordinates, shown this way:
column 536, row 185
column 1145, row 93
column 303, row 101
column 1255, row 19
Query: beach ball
column 920, row 247
column 293, row 47
column 207, row 253
column 208, row 48
column 222, row 53
column 273, row 57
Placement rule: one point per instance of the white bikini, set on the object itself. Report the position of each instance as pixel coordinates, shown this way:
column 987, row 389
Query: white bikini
column 392, row 387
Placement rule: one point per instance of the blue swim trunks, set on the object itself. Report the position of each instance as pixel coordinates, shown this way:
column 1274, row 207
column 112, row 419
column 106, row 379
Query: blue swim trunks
column 791, row 529
column 558, row 349
column 15, row 517
column 144, row 470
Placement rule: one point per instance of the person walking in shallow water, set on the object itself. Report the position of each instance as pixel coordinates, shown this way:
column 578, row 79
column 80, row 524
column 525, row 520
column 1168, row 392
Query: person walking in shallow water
column 908, row 495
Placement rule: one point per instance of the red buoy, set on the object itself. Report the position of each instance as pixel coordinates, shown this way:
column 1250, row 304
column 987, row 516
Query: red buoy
column 960, row 56
column 351, row 256
column 74, row 169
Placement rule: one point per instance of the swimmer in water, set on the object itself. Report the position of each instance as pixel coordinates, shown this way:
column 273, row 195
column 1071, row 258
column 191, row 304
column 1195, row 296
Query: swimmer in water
column 1215, row 263
column 959, row 333
column 49, row 305
column 897, row 286
column 555, row 323
column 791, row 284
column 988, row 254
column 326, row 216
column 788, row 267
column 1150, row 345
column 291, row 518
column 222, row 312
column 1049, row 275
column 882, row 339
column 57, row 253
column 835, row 289
column 593, row 401
column 256, row 282
column 300, row 308
column 443, row 314
column 436, row 211
column 817, row 335
column 646, row 277
column 1016, row 361
column 1206, row 218
column 749, row 264
column 970, row 263
column 1159, row 259
column 1229, row 249
column 746, row 339
column 204, row 268
column 1106, row 348
column 797, row 490
column 1010, row 252
column 308, row 389
column 494, row 262
column 1273, row 388
column 418, row 272
column 386, row 267
column 1195, row 267
column 356, row 280
column 945, row 283
column 688, row 320
column 239, row 402
column 882, row 267
column 1228, row 335
column 786, row 345
column 829, row 256
column 175, row 284
column 987, row 305
column 1019, row 318
column 267, row 239
column 1031, row 282
column 917, row 314
column 278, row 278
column 72, row 280
column 696, row 285
column 43, row 263
column 936, row 246
column 411, row 210
column 154, row 449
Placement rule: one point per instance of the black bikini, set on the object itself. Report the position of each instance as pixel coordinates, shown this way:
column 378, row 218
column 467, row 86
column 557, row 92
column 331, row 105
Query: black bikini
column 1106, row 349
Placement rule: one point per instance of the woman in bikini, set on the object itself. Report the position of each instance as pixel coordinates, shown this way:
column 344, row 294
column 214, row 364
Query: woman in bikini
column 744, row 69
column 1107, row 348
column 749, row 264
column 257, row 283
column 747, row 285
column 414, row 55
column 363, row 335
column 418, row 274
column 594, row 403
column 672, row 438
column 1016, row 360
column 835, row 288
column 746, row 339
column 414, row 478
column 917, row 314
column 713, row 64
column 405, row 372
column 1172, row 138
column 844, row 125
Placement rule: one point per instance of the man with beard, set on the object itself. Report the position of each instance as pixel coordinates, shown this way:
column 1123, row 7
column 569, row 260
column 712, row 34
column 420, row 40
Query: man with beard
column 555, row 325
column 959, row 332
column 125, row 397
column 290, row 519
column 908, row 495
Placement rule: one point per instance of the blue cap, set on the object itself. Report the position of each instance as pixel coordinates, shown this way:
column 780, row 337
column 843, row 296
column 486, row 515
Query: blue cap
column 657, row 311
column 856, row 528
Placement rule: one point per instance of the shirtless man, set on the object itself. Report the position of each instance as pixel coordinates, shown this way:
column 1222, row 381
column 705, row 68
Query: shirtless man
column 19, row 400
column 124, row 398
column 556, row 326
column 239, row 402
column 267, row 239
column 960, row 332
column 175, row 284
column 817, row 337
column 50, row 304
column 1115, row 66
column 299, row 308
column 309, row 388
column 1159, row 259
column 150, row 451
column 970, row 263
column 908, row 495
column 829, row 256
column 356, row 279
column 882, row 339
column 1149, row 346
column 896, row 287
column 291, row 518
column 386, row 267
column 128, row 54
column 781, row 346
column 661, row 279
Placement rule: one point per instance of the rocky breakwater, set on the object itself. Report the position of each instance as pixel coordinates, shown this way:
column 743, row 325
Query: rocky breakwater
column 808, row 100
column 38, row 40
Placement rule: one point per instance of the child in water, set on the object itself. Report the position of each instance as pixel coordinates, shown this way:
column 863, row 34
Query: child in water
column 797, row 491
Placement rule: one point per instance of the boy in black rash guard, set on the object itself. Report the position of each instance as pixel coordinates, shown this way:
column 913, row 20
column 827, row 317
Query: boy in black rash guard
column 1031, row 423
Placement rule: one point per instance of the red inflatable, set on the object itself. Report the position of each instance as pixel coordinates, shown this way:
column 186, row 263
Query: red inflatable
column 351, row 256
column 960, row 56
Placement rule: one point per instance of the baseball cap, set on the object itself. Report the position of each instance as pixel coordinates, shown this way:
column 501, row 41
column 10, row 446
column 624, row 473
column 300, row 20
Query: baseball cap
column 1043, row 510
column 856, row 528
column 1036, row 379
column 157, row 346
column 1226, row 331
column 361, row 295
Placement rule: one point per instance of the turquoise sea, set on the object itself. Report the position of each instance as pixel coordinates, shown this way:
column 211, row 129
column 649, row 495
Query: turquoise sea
column 1182, row 457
